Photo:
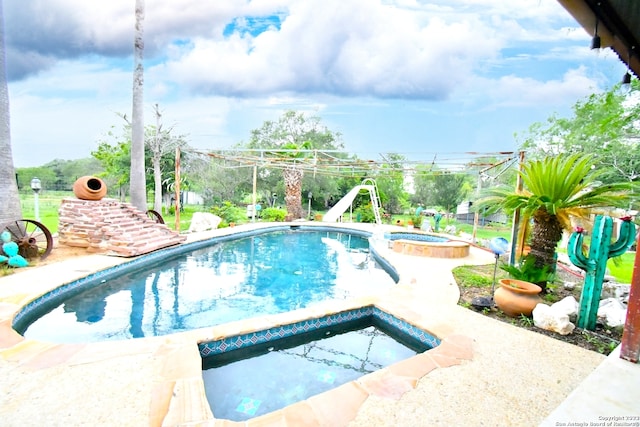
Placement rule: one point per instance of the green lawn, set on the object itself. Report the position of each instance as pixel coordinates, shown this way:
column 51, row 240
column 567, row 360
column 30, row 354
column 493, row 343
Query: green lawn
column 48, row 205
column 622, row 267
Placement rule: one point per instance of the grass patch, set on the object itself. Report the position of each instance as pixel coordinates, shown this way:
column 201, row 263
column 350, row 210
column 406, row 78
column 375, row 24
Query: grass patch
column 622, row 267
column 473, row 277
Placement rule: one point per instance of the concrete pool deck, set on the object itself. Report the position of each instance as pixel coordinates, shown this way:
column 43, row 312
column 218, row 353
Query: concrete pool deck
column 486, row 372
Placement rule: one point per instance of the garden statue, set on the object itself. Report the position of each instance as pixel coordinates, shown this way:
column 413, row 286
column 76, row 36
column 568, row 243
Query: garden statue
column 436, row 219
column 600, row 250
column 11, row 249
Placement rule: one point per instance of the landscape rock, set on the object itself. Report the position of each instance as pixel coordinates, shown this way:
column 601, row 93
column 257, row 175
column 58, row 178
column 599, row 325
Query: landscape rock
column 203, row 221
column 612, row 312
column 553, row 318
column 615, row 290
column 567, row 305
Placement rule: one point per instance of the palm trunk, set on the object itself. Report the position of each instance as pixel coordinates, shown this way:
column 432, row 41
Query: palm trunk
column 547, row 232
column 138, row 184
column 293, row 191
column 9, row 197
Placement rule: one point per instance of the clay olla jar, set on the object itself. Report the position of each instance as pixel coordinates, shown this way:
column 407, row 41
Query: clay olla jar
column 89, row 188
column 516, row 297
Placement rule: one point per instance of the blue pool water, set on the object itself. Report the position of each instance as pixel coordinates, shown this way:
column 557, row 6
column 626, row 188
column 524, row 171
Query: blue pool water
column 231, row 280
column 252, row 382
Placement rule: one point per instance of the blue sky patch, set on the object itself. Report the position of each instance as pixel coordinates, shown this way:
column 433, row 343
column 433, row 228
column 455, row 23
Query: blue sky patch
column 252, row 25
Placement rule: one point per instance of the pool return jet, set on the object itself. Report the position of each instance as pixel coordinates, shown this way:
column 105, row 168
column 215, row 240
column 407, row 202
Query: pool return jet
column 499, row 246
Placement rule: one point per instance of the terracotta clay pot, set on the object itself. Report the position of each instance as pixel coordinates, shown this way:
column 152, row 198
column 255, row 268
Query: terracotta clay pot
column 89, row 188
column 516, row 297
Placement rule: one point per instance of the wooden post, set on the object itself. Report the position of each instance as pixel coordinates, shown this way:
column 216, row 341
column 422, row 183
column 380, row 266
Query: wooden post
column 177, row 188
column 630, row 344
column 517, row 246
column 255, row 186
column 476, row 215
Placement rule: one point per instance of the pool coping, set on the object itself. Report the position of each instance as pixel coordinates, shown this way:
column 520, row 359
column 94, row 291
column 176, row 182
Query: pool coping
column 171, row 390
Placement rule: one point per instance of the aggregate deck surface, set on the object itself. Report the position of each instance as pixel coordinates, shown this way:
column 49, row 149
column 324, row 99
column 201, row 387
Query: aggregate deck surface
column 485, row 372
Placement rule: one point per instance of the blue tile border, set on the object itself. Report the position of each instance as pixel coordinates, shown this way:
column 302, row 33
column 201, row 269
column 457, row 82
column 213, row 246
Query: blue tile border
column 44, row 303
column 237, row 342
column 420, row 237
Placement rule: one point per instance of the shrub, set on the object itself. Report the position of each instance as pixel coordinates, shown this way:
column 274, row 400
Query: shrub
column 273, row 214
column 417, row 220
column 527, row 271
column 365, row 214
column 229, row 213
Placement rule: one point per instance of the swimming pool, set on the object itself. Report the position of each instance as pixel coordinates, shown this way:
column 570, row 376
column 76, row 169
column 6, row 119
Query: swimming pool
column 264, row 272
column 243, row 375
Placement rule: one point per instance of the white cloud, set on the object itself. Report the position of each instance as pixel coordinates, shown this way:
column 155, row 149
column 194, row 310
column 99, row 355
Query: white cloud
column 514, row 91
column 333, row 47
column 379, row 70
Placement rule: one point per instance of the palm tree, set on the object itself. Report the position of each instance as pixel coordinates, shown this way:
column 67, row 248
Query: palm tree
column 138, row 183
column 292, row 175
column 9, row 197
column 555, row 190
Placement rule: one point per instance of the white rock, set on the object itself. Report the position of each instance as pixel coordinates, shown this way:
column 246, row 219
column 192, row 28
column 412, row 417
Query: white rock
column 612, row 312
column 615, row 290
column 202, row 221
column 550, row 319
column 567, row 305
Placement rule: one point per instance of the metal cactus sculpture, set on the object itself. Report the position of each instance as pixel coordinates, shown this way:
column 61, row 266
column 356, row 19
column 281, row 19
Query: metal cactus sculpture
column 600, row 250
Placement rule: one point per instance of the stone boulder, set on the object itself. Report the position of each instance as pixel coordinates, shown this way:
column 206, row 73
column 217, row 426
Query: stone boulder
column 203, row 221
column 615, row 290
column 556, row 317
column 612, row 312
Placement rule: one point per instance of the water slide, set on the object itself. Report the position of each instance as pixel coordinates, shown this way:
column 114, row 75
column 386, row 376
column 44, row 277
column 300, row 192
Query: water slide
column 343, row 204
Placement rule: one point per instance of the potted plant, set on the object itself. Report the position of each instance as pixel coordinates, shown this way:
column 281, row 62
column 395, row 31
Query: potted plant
column 517, row 297
column 416, row 220
column 527, row 271
column 519, row 294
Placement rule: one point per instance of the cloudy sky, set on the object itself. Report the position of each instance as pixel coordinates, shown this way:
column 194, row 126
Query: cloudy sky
column 415, row 77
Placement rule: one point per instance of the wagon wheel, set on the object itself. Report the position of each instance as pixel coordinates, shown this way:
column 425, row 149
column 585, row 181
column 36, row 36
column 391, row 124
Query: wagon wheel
column 32, row 237
column 154, row 215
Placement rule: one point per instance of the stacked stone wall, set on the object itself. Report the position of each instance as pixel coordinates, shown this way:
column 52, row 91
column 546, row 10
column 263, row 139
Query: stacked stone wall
column 112, row 227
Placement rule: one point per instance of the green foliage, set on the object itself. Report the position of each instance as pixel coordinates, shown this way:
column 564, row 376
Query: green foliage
column 527, row 271
column 365, row 214
column 273, row 215
column 525, row 321
column 601, row 124
column 417, row 220
column 450, row 189
column 555, row 190
column 230, row 213
column 390, row 182
column 602, row 345
column 58, row 175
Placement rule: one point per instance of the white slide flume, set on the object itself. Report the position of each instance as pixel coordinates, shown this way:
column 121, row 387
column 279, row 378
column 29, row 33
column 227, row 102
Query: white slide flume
column 343, row 204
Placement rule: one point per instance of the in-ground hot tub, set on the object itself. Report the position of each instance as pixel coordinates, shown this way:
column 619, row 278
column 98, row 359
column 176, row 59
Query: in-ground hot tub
column 420, row 244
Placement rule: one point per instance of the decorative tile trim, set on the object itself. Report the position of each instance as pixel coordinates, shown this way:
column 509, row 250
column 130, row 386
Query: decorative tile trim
column 237, row 342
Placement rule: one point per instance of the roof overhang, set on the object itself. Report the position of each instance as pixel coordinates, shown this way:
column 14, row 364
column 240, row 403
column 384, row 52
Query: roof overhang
column 618, row 24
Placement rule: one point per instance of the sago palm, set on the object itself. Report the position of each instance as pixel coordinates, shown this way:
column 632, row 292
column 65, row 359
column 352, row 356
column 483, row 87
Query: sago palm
column 555, row 190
